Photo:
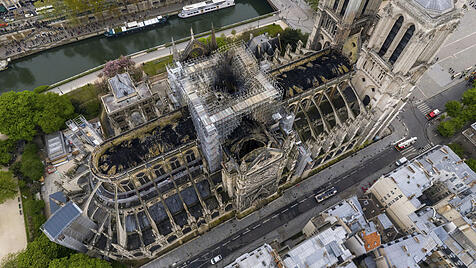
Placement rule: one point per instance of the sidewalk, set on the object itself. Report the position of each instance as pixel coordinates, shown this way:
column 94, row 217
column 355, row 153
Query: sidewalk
column 230, row 228
column 162, row 51
column 297, row 13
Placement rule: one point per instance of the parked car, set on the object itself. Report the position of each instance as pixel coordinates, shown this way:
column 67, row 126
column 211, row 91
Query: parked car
column 432, row 114
column 326, row 194
column 401, row 161
column 216, row 259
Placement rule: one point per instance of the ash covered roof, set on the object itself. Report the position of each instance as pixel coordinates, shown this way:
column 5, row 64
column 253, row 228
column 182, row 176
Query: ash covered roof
column 311, row 71
column 142, row 144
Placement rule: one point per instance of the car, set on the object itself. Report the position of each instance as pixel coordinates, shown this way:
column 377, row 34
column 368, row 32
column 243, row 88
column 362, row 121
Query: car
column 432, row 114
column 3, row 24
column 401, row 161
column 216, row 259
column 27, row 15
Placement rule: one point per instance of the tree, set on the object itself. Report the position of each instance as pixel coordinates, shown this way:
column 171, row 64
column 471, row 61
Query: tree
column 22, row 113
column 17, row 115
column 40, row 252
column 469, row 96
column 446, row 128
column 52, row 111
column 79, row 260
column 457, row 149
column 31, row 165
column 292, row 36
column 6, row 148
column 471, row 163
column 8, row 186
column 454, row 108
column 120, row 65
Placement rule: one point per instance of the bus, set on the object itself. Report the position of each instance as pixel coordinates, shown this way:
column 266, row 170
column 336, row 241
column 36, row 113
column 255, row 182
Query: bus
column 404, row 144
column 326, row 194
column 44, row 9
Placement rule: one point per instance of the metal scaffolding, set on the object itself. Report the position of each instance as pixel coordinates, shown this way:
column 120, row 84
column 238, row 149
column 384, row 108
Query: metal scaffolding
column 220, row 90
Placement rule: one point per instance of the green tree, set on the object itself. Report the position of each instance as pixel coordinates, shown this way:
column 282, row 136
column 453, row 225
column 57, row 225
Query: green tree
column 292, row 36
column 469, row 113
column 21, row 113
column 446, row 128
column 31, row 165
column 40, row 252
column 79, row 260
column 471, row 163
column 52, row 111
column 8, row 186
column 17, row 115
column 469, row 96
column 454, row 108
column 6, row 148
column 457, row 148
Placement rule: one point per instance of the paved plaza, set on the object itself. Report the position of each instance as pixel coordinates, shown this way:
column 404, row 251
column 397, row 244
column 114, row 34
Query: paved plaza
column 12, row 228
column 458, row 53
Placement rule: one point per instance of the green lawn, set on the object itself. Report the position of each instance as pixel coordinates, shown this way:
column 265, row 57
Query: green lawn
column 157, row 66
column 85, row 101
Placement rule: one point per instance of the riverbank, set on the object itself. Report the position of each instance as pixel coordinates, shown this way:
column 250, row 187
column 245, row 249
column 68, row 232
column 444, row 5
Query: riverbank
column 91, row 76
column 169, row 11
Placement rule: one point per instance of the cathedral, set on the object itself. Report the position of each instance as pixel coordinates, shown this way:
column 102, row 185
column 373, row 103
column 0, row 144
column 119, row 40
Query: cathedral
column 230, row 126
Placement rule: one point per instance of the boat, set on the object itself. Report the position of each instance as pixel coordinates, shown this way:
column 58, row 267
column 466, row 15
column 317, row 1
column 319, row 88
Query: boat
column 204, row 7
column 135, row 26
column 4, row 64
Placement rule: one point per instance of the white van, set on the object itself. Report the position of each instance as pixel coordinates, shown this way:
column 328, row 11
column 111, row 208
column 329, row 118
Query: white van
column 401, row 161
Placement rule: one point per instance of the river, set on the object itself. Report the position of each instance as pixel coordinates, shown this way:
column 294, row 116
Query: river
column 56, row 64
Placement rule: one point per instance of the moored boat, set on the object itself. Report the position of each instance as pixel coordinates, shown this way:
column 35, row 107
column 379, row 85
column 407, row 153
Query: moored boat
column 135, row 26
column 204, row 7
column 4, row 64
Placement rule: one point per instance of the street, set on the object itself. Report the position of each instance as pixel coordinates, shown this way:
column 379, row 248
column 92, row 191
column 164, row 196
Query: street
column 286, row 216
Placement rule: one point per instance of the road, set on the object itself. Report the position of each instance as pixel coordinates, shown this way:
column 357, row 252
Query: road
column 298, row 212
column 305, row 207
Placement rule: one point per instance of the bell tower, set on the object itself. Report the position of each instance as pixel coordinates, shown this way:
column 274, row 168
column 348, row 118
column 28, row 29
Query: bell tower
column 336, row 20
column 401, row 48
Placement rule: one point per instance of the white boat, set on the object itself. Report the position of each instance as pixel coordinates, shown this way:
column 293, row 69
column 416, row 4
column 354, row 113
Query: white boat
column 204, row 7
column 4, row 64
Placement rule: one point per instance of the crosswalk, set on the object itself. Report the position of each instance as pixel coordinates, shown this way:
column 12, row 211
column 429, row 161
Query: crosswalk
column 424, row 108
column 411, row 151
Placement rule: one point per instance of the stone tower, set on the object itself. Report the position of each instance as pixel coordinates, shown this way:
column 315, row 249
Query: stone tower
column 401, row 47
column 336, row 20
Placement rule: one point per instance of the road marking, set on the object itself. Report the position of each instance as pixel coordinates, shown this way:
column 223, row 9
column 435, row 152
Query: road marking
column 246, row 232
column 302, row 201
column 226, row 243
column 265, row 221
column 234, row 238
column 275, row 216
column 424, row 108
column 284, row 210
column 294, row 205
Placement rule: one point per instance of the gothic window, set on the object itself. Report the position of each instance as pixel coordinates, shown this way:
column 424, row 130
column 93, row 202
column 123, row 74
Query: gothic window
column 403, row 43
column 344, row 7
column 190, row 156
column 365, row 7
column 336, row 4
column 391, row 35
column 174, row 163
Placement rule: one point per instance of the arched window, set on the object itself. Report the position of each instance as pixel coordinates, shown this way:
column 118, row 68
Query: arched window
column 344, row 7
column 336, row 4
column 365, row 7
column 391, row 35
column 403, row 43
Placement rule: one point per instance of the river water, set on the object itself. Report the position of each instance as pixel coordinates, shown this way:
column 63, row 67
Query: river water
column 53, row 65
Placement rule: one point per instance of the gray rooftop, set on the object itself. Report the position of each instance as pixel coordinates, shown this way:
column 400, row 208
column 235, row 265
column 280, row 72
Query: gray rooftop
column 61, row 219
column 436, row 7
column 261, row 257
column 385, row 221
column 56, row 199
column 121, row 85
column 55, row 145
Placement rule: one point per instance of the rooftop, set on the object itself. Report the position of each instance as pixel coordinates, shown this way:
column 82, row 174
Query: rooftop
column 61, row 219
column 124, row 93
column 55, row 146
column 322, row 250
column 311, row 71
column 262, row 257
column 142, row 144
column 436, row 7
